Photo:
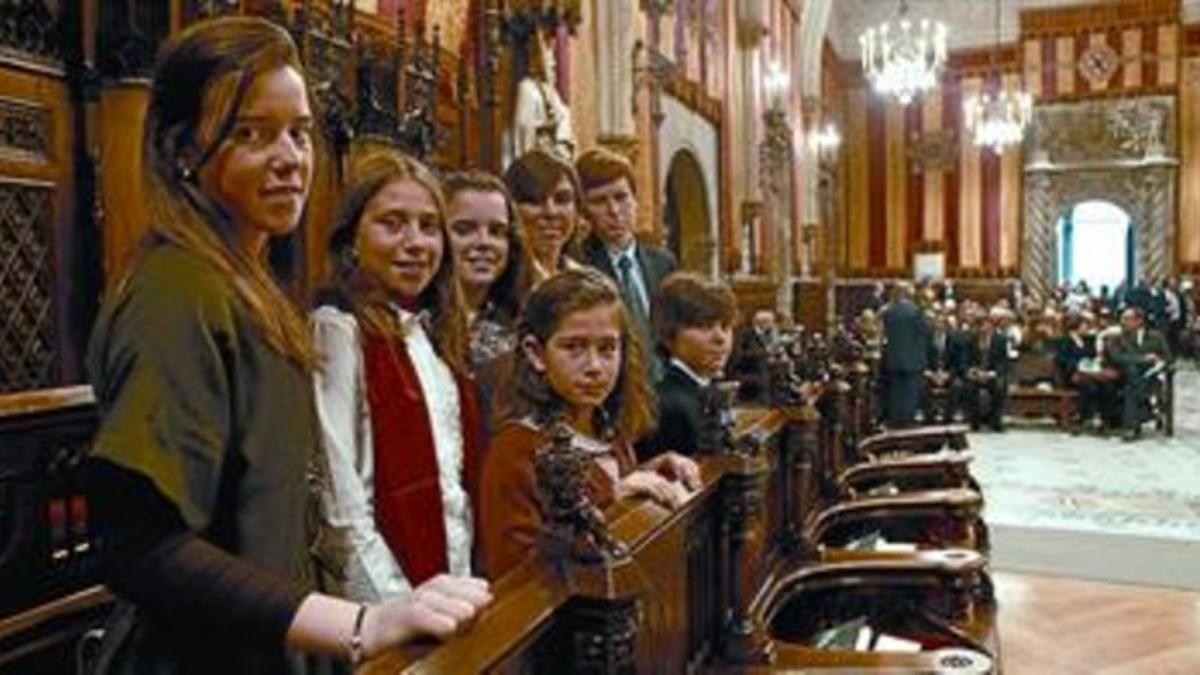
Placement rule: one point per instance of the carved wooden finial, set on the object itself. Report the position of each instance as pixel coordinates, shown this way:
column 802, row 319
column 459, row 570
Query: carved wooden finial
column 716, row 406
column 575, row 528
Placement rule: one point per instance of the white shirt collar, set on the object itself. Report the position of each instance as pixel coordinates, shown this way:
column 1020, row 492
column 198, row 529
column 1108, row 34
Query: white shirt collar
column 615, row 254
column 702, row 381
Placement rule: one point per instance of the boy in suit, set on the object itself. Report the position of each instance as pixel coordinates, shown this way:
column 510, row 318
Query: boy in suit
column 694, row 326
column 610, row 206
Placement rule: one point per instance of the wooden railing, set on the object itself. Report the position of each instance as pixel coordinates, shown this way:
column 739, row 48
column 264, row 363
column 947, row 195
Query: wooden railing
column 733, row 580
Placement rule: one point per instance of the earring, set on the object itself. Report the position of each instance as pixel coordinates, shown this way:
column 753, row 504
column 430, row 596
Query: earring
column 184, row 171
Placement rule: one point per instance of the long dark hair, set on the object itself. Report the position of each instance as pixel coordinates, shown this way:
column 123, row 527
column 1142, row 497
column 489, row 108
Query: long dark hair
column 532, row 177
column 629, row 411
column 503, row 300
column 365, row 296
column 200, row 83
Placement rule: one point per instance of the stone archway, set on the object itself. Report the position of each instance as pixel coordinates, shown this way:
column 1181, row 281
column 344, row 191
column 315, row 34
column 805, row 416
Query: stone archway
column 1120, row 151
column 686, row 213
column 683, row 129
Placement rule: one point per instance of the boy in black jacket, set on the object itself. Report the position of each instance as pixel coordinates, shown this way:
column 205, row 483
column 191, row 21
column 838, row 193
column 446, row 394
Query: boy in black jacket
column 693, row 322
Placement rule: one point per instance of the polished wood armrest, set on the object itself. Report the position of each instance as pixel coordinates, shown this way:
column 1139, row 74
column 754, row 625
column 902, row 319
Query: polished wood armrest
column 51, row 627
column 964, row 620
column 55, row 610
column 958, row 559
column 959, row 507
column 44, row 401
column 789, row 657
column 949, row 468
column 917, row 439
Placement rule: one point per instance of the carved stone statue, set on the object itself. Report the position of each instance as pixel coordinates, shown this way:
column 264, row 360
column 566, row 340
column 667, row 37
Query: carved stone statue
column 541, row 118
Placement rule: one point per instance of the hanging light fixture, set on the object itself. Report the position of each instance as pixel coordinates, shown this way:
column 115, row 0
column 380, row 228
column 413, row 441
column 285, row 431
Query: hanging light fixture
column 903, row 58
column 998, row 119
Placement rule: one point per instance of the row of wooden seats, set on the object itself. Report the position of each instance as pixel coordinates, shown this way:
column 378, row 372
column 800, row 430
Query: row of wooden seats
column 755, row 561
column 755, row 565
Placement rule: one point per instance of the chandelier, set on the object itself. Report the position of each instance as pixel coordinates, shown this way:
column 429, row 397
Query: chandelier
column 903, row 59
column 998, row 119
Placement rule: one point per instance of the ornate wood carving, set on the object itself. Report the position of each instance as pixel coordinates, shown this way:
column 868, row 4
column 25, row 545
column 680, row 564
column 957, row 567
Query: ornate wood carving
column 523, row 17
column 28, row 355
column 26, row 130
column 418, row 131
column 129, row 35
column 30, row 30
column 743, row 502
column 716, row 404
column 576, row 531
column 602, row 635
column 327, row 44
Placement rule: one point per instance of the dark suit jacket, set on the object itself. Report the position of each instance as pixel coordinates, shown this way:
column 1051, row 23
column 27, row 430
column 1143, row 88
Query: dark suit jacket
column 654, row 263
column 907, row 333
column 1125, row 353
column 1068, row 355
column 939, row 354
column 679, row 416
column 992, row 356
column 750, row 364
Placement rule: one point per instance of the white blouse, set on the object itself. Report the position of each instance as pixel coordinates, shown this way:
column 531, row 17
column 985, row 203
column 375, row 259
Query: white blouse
column 349, row 543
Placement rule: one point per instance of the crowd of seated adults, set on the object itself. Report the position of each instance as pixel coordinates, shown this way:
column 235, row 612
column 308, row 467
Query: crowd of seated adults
column 950, row 358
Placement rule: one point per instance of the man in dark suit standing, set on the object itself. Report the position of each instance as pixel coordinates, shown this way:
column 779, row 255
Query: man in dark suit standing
column 610, row 205
column 905, row 356
column 1135, row 352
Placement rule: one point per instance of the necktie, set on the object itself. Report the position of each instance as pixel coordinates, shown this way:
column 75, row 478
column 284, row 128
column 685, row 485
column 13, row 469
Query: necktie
column 629, row 288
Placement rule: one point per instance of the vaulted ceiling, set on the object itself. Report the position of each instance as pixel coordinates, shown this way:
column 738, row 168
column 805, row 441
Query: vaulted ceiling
column 969, row 23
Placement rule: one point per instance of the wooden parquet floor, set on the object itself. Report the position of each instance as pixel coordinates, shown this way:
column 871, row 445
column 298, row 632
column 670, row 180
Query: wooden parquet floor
column 1058, row 626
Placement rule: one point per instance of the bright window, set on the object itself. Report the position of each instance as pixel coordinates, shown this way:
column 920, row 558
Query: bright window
column 1093, row 245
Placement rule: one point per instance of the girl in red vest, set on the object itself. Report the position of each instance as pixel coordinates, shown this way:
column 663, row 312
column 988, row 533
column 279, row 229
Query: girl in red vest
column 579, row 362
column 399, row 421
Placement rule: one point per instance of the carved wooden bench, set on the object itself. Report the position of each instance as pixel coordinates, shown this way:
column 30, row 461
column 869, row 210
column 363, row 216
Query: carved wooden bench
column 1061, row 404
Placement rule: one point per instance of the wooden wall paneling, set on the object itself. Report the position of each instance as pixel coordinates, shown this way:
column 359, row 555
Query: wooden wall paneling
column 120, row 115
column 37, row 208
column 753, row 294
column 811, row 305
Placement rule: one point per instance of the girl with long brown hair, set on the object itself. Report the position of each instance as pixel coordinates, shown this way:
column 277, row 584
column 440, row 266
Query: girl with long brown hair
column 579, row 363
column 399, row 417
column 199, row 474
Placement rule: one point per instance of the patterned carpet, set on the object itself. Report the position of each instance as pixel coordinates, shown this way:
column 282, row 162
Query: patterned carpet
column 1093, row 507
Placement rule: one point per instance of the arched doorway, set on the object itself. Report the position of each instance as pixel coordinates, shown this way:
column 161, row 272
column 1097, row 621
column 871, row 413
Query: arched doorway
column 685, row 213
column 1095, row 244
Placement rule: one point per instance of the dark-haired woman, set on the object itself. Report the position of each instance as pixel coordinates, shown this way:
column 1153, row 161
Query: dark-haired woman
column 200, row 470
column 548, row 195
